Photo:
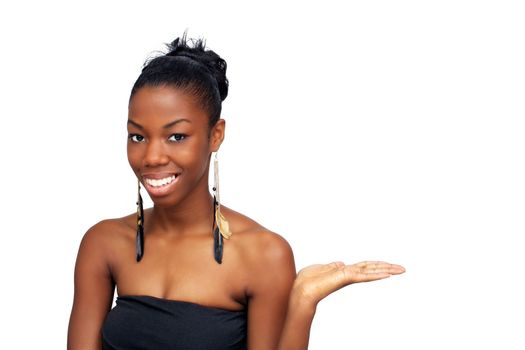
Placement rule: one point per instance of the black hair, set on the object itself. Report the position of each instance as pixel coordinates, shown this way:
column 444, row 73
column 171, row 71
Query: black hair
column 195, row 70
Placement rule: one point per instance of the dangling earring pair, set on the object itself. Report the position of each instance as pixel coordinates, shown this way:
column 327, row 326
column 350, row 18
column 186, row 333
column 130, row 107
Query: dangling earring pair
column 221, row 230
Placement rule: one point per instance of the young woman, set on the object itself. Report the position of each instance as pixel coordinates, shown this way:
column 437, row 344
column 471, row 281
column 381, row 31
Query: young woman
column 190, row 272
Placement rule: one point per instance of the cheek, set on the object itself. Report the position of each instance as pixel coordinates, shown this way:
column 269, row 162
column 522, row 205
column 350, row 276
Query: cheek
column 193, row 154
column 133, row 157
column 193, row 157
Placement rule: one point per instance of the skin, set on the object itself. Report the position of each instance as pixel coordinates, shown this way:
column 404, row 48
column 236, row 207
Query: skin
column 258, row 267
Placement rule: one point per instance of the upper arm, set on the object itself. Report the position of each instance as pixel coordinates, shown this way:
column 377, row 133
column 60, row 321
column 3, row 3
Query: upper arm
column 272, row 271
column 94, row 290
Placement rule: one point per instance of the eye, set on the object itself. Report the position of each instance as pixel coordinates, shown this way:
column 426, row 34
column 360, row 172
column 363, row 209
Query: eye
column 131, row 136
column 178, row 137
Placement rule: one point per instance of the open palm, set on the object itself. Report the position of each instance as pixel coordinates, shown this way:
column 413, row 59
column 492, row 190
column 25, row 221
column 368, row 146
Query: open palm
column 315, row 282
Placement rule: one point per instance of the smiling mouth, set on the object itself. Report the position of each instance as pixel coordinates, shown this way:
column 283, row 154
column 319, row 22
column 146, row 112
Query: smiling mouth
column 160, row 182
column 161, row 187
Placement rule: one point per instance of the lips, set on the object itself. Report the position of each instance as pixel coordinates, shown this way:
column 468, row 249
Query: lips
column 158, row 185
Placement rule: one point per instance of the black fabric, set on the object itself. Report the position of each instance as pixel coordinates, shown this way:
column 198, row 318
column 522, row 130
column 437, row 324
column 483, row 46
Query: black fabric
column 146, row 322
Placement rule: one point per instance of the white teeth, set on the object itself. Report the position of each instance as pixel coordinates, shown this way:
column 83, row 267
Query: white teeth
column 160, row 182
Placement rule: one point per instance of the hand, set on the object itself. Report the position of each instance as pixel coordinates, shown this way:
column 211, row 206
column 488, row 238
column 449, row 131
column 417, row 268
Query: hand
column 315, row 282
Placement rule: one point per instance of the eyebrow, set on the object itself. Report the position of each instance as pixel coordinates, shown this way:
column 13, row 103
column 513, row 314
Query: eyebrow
column 169, row 125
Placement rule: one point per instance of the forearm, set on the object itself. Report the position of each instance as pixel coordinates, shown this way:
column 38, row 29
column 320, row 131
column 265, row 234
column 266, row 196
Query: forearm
column 296, row 330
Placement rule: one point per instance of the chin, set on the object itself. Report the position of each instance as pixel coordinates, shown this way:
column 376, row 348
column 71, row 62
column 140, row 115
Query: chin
column 168, row 201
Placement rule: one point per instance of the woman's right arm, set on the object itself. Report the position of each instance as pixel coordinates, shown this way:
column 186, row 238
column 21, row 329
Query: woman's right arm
column 94, row 290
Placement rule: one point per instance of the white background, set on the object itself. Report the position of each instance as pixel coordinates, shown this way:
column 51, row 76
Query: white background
column 388, row 130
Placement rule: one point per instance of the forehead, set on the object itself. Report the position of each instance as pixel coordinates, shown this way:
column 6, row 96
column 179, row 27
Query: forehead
column 153, row 106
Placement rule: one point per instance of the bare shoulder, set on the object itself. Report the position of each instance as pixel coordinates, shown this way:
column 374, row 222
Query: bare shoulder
column 261, row 247
column 105, row 230
column 253, row 232
column 101, row 239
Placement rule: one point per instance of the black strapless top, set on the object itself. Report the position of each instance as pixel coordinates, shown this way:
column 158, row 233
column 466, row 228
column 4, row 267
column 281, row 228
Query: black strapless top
column 146, row 322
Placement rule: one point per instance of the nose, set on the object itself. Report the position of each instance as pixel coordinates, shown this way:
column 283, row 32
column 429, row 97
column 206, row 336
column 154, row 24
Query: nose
column 155, row 154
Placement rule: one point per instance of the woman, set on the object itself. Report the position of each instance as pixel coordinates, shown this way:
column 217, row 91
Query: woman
column 190, row 272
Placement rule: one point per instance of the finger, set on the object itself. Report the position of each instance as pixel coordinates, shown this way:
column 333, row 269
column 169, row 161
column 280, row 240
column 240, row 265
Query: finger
column 353, row 274
column 395, row 269
column 380, row 270
column 376, row 270
column 391, row 268
column 398, row 268
column 365, row 263
column 368, row 277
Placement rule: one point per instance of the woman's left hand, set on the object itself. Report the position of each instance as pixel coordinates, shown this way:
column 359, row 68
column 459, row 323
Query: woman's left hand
column 315, row 282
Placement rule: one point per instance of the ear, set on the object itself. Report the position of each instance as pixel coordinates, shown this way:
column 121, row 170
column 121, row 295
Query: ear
column 217, row 135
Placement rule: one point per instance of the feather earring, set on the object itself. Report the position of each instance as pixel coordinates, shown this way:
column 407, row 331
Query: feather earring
column 140, row 227
column 223, row 227
column 217, row 237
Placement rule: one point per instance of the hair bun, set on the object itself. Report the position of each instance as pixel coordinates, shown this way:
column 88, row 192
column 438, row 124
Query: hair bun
column 208, row 58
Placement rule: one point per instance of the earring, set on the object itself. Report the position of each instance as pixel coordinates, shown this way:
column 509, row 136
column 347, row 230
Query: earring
column 140, row 227
column 223, row 227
